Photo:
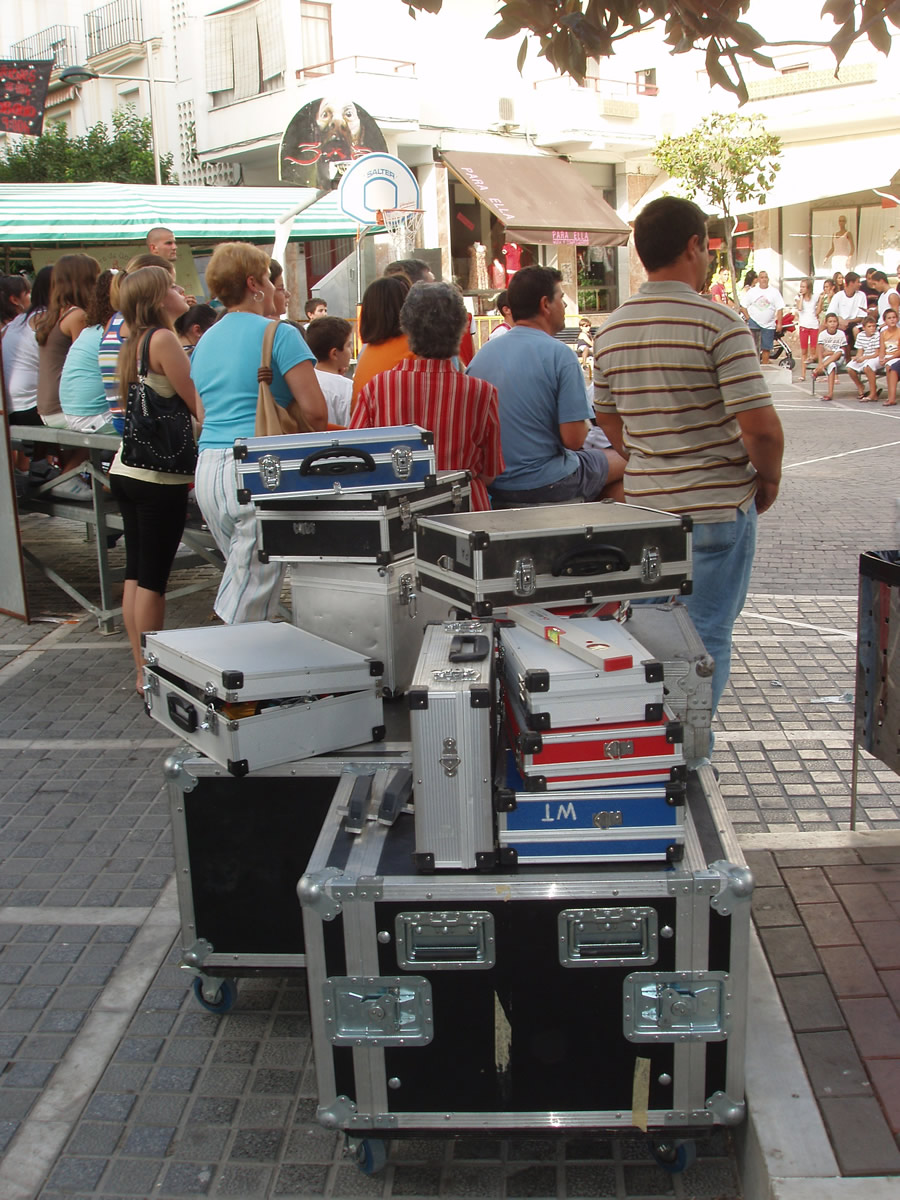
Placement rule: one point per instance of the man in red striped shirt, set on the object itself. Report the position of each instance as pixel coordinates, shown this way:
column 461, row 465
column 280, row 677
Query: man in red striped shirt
column 428, row 390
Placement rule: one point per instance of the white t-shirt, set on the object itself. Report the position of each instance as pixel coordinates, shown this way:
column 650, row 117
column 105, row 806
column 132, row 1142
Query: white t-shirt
column 499, row 330
column 20, row 364
column 806, row 313
column 337, row 391
column 848, row 308
column 832, row 343
column 762, row 304
column 884, row 302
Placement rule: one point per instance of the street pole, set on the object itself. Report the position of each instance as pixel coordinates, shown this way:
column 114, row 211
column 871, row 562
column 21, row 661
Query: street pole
column 151, row 86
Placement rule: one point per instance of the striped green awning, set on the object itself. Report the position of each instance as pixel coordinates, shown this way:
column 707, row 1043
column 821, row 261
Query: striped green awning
column 32, row 214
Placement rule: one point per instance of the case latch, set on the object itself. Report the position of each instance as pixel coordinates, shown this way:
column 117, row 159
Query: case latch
column 405, row 512
column 270, row 472
column 456, row 495
column 683, row 1006
column 623, row 748
column 406, row 595
column 449, row 759
column 378, row 1011
column 607, row 819
column 651, row 567
column 524, row 579
column 402, row 461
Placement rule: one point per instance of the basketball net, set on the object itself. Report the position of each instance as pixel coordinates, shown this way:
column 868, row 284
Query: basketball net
column 403, row 225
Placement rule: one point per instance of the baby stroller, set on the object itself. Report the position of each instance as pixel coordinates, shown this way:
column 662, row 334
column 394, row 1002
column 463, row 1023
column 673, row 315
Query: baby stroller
column 781, row 351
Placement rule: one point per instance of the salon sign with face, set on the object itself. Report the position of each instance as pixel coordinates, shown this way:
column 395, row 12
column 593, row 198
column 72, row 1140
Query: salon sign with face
column 324, row 138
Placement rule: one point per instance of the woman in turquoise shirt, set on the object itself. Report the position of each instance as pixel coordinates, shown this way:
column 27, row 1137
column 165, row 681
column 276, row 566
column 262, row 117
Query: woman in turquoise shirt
column 224, row 369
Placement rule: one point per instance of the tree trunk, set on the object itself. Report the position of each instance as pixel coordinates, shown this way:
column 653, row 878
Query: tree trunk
column 730, row 225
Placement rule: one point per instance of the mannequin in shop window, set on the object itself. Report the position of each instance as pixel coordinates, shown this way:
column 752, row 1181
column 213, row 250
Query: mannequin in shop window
column 478, row 276
column 512, row 252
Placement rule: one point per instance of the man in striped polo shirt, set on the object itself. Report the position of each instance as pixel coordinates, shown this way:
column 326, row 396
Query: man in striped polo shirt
column 678, row 392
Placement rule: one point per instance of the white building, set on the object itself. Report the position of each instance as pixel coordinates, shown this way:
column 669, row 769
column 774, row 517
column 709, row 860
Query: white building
column 438, row 91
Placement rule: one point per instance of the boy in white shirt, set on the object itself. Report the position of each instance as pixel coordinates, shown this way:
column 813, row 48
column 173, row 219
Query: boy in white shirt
column 830, row 350
column 331, row 341
column 866, row 359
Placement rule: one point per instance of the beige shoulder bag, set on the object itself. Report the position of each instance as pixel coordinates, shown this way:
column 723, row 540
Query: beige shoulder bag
column 271, row 419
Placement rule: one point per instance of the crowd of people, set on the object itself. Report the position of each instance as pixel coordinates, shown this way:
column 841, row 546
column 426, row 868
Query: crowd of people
column 825, row 345
column 517, row 415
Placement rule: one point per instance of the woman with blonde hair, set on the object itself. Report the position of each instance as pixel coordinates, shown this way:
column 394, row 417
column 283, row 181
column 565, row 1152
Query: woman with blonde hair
column 153, row 503
column 224, row 369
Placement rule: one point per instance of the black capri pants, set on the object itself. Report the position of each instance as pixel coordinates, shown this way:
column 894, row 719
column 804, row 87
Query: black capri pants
column 153, row 516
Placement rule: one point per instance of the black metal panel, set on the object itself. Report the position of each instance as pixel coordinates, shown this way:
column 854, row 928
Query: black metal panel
column 249, row 841
column 567, row 1050
column 359, row 536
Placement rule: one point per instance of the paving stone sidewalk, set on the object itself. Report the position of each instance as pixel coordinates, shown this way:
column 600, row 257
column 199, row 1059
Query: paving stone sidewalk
column 118, row 1085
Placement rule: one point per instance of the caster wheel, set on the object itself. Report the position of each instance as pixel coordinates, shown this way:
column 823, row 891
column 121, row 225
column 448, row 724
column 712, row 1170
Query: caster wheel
column 371, row 1155
column 787, row 363
column 676, row 1155
column 224, row 999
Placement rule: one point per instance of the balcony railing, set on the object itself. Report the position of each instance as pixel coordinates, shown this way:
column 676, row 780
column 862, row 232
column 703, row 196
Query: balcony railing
column 612, row 89
column 362, row 65
column 57, row 42
column 113, row 25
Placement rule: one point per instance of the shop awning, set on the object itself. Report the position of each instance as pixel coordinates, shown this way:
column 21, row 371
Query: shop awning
column 808, row 174
column 539, row 199
column 33, row 214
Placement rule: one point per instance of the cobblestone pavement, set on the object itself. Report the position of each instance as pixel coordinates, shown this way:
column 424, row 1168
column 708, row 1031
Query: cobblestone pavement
column 118, row 1085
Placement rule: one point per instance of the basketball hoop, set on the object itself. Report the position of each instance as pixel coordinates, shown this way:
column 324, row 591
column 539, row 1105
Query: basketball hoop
column 403, row 225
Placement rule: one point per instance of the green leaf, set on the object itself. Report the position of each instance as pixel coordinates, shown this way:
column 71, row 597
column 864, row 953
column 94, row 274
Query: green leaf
column 503, row 30
column 840, row 10
column 523, row 52
column 879, row 37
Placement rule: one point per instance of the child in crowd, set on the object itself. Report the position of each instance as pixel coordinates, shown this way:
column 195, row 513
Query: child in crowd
column 584, row 347
column 889, row 352
column 829, row 351
column 315, row 307
column 866, row 359
column 808, row 325
column 331, row 341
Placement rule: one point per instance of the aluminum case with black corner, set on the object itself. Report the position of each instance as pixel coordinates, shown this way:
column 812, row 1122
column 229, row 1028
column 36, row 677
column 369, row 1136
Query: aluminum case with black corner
column 255, row 695
column 541, row 999
column 668, row 633
column 553, row 554
column 333, row 462
column 557, row 689
column 376, row 611
column 577, row 755
column 452, row 716
column 630, row 819
column 373, row 528
column 241, row 845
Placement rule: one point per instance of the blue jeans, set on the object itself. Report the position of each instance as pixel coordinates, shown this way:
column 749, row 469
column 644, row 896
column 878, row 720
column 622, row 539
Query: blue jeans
column 723, row 559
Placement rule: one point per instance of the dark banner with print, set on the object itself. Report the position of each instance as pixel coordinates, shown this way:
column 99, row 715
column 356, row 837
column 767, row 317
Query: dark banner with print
column 23, row 94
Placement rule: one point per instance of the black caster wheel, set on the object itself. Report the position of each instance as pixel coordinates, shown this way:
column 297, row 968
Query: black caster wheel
column 674, row 1154
column 371, row 1155
column 222, row 1001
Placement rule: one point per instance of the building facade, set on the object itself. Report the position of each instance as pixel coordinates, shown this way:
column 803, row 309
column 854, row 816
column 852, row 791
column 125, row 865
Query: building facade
column 267, row 92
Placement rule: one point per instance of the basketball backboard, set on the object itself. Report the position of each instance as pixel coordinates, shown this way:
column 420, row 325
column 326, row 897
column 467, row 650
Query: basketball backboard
column 374, row 183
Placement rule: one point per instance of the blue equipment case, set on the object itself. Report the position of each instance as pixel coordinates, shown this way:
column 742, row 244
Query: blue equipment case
column 635, row 822
column 332, row 463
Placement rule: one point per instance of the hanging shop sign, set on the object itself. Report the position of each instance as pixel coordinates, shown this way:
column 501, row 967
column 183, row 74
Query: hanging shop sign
column 23, row 94
column 323, row 139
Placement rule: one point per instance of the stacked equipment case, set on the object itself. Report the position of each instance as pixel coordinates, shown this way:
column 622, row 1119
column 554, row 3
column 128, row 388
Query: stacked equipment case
column 537, row 999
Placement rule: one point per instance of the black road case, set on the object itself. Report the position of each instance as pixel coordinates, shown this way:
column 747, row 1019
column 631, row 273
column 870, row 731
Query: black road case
column 553, row 554
column 542, row 999
column 241, row 845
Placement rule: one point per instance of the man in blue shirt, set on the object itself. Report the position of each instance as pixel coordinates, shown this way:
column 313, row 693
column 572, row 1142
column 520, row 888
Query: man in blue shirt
column 545, row 414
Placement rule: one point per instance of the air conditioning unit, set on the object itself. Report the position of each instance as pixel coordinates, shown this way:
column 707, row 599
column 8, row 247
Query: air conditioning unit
column 506, row 111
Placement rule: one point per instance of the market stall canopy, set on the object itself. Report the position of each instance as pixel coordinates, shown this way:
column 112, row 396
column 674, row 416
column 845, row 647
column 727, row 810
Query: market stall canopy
column 31, row 214
column 539, row 199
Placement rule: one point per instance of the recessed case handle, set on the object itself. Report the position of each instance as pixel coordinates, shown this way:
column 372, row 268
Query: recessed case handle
column 320, row 461
column 595, row 560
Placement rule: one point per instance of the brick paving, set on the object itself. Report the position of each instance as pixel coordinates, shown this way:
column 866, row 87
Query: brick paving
column 829, row 922
column 111, row 1092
